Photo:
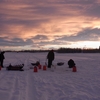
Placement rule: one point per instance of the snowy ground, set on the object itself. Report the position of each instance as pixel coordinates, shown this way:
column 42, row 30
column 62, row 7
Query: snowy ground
column 60, row 84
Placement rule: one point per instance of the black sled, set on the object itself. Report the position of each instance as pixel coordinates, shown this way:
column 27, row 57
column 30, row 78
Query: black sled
column 36, row 64
column 60, row 63
column 15, row 67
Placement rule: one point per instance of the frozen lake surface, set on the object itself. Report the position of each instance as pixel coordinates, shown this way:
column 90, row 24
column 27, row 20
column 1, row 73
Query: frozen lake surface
column 59, row 84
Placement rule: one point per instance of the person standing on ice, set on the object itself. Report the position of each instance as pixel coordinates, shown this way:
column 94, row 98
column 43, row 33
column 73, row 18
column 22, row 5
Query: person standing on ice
column 2, row 58
column 50, row 57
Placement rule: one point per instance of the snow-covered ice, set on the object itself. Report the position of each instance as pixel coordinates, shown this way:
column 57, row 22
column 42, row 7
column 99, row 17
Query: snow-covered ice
column 59, row 84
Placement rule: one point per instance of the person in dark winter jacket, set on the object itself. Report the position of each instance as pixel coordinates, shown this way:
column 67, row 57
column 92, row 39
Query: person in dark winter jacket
column 71, row 63
column 50, row 57
column 2, row 58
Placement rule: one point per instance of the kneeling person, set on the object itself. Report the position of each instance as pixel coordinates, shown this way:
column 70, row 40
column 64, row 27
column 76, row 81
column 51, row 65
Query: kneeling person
column 71, row 63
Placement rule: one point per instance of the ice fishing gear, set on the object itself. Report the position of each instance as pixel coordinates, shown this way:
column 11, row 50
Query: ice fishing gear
column 74, row 69
column 15, row 67
column 60, row 63
column 36, row 64
column 35, row 69
column 0, row 67
column 44, row 67
column 39, row 66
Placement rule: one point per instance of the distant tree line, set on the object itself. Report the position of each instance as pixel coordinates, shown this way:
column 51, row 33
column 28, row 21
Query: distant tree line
column 64, row 50
column 77, row 50
column 69, row 50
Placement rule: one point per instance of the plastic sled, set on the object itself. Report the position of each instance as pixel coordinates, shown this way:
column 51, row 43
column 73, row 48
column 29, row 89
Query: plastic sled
column 60, row 63
column 15, row 67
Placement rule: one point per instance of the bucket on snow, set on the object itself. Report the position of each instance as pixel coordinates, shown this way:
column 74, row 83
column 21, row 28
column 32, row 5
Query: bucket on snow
column 35, row 69
column 0, row 67
column 74, row 69
column 44, row 67
column 39, row 66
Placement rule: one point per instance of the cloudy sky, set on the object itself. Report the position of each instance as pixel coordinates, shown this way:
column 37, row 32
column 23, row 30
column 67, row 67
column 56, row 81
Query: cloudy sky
column 45, row 24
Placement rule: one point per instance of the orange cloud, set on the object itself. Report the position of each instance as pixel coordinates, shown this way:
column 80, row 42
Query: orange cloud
column 51, row 20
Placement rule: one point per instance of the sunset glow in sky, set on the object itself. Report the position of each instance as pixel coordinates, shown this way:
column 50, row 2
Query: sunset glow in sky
column 45, row 24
